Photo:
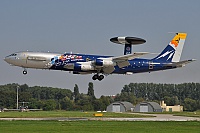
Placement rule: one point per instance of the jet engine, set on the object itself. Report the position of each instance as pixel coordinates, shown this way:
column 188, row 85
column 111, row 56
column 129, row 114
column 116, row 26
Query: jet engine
column 103, row 62
column 84, row 66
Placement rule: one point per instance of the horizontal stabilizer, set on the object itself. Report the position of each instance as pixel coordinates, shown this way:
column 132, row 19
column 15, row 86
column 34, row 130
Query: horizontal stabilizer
column 181, row 63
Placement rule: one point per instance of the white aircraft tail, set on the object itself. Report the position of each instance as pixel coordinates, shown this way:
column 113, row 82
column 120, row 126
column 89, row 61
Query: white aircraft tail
column 172, row 53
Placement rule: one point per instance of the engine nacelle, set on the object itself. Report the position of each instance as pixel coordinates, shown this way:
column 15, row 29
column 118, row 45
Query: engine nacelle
column 83, row 66
column 98, row 62
column 103, row 62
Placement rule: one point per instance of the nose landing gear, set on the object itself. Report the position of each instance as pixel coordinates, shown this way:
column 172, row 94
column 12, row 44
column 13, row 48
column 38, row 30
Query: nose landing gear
column 25, row 72
column 97, row 76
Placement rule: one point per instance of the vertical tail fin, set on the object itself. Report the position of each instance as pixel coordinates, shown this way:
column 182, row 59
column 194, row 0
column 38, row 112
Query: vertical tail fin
column 172, row 53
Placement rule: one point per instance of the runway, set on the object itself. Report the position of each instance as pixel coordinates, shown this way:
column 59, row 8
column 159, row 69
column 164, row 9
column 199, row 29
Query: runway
column 158, row 117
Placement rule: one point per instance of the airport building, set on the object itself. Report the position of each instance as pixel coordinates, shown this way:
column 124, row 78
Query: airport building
column 175, row 108
column 148, row 107
column 120, row 107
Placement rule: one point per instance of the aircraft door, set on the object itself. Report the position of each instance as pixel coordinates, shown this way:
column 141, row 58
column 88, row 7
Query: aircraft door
column 23, row 57
column 150, row 65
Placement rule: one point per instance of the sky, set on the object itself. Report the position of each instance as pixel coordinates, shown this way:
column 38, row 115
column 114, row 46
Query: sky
column 86, row 27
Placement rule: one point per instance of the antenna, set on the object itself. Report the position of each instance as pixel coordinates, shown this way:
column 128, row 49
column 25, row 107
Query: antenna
column 172, row 32
column 17, row 96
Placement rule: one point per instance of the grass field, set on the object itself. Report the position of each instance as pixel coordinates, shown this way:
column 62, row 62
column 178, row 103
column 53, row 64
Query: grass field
column 99, row 127
column 94, row 126
column 188, row 114
column 44, row 114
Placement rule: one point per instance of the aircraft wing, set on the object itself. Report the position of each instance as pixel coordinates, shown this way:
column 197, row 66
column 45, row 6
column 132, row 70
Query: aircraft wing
column 181, row 63
column 122, row 61
column 129, row 56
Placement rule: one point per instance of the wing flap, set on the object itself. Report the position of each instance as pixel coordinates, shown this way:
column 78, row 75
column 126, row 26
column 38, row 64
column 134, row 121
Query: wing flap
column 123, row 64
column 122, row 61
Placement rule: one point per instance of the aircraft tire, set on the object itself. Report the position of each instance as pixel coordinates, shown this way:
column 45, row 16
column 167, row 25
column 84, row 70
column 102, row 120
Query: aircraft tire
column 25, row 72
column 95, row 77
column 100, row 77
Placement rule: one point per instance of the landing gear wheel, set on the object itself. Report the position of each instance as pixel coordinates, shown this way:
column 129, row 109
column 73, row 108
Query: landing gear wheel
column 95, row 77
column 100, row 77
column 25, row 72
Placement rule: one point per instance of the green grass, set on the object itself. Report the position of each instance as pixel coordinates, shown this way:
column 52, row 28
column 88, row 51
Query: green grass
column 99, row 127
column 188, row 114
column 75, row 114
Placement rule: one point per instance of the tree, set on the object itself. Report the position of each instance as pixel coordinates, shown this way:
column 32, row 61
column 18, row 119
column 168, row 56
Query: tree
column 91, row 90
column 23, row 87
column 190, row 104
column 49, row 105
column 98, row 105
column 34, row 104
column 126, row 89
column 67, row 104
column 85, row 102
column 105, row 101
column 76, row 93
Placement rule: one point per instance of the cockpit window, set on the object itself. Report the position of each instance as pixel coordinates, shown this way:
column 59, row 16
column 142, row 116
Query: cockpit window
column 13, row 54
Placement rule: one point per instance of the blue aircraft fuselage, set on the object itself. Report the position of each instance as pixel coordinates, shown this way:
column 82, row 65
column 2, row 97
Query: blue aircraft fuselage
column 137, row 65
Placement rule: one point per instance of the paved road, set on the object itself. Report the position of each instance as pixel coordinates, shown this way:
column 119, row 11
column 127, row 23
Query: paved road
column 158, row 117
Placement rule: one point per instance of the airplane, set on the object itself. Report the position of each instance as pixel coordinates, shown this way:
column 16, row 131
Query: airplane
column 101, row 65
column 21, row 108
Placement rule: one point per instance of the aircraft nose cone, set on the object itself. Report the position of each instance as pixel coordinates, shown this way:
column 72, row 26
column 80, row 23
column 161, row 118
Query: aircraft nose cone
column 6, row 59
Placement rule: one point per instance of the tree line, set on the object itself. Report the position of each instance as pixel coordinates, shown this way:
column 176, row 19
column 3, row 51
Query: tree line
column 48, row 98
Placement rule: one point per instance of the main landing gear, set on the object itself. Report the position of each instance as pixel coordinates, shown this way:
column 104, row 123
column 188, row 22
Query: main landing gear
column 97, row 76
column 25, row 72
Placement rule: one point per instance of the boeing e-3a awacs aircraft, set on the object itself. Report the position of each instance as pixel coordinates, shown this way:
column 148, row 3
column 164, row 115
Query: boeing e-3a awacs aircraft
column 101, row 65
